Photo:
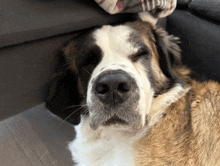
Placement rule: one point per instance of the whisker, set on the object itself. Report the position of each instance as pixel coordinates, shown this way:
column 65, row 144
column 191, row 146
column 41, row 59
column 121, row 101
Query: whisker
column 73, row 107
column 86, row 111
column 86, row 71
column 70, row 115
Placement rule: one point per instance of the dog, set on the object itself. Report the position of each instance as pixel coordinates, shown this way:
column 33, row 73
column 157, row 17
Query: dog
column 132, row 100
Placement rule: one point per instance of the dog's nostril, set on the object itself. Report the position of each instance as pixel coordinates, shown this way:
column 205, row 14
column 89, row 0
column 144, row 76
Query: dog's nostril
column 123, row 87
column 102, row 88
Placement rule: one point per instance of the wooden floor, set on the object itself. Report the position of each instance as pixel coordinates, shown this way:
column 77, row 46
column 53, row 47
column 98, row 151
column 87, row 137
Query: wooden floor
column 35, row 138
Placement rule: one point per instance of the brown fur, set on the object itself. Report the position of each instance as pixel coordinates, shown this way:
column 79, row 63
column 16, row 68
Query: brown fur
column 189, row 134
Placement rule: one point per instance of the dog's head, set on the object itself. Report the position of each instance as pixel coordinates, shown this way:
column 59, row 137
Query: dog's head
column 121, row 76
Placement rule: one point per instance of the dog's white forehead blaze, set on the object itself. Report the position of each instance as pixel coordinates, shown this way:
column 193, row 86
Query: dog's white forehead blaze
column 115, row 39
column 116, row 47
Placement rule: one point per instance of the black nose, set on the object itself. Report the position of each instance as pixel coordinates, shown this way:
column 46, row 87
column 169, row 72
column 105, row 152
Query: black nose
column 113, row 88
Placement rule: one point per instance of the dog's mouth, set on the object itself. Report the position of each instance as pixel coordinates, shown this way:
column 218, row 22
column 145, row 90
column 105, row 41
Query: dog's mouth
column 115, row 120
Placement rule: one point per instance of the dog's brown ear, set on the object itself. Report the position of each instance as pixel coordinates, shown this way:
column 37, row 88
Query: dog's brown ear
column 63, row 98
column 168, row 55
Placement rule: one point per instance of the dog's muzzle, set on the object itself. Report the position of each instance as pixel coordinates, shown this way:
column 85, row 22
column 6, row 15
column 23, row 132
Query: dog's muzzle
column 113, row 88
column 114, row 100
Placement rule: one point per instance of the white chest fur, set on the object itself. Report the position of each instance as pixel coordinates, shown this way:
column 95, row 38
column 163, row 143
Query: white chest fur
column 102, row 147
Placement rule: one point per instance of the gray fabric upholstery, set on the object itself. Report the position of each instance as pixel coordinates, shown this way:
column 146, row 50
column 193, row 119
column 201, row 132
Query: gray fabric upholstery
column 24, row 73
column 26, row 20
column 183, row 3
column 200, row 42
column 207, row 8
column 197, row 25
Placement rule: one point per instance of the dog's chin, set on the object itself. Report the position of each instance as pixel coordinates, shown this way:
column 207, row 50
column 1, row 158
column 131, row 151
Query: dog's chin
column 111, row 122
column 115, row 120
column 121, row 126
column 116, row 123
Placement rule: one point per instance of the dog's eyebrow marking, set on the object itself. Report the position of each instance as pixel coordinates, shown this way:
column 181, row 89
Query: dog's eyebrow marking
column 143, row 50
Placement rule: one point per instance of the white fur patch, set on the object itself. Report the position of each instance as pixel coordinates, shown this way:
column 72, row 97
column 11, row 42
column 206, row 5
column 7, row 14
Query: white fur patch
column 102, row 147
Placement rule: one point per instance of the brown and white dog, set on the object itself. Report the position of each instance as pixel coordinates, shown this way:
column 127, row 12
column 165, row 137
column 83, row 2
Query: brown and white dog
column 139, row 104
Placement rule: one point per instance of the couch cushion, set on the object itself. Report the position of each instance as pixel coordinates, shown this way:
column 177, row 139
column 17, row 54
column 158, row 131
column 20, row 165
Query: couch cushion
column 207, row 8
column 183, row 3
column 24, row 73
column 199, row 42
column 26, row 20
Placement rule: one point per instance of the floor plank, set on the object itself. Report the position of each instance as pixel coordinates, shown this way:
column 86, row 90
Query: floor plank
column 35, row 138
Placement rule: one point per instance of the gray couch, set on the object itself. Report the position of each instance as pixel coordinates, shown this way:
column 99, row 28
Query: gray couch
column 197, row 23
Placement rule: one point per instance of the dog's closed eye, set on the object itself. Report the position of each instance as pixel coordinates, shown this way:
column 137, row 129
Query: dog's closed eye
column 143, row 51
